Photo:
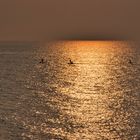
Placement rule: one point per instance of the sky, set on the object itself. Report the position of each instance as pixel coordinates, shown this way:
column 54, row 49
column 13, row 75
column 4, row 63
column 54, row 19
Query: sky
column 39, row 20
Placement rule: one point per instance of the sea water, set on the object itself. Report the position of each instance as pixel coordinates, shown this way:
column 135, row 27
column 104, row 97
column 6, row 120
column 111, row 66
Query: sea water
column 96, row 98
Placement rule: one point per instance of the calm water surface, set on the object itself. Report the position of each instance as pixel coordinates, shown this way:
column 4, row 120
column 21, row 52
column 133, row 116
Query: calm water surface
column 97, row 98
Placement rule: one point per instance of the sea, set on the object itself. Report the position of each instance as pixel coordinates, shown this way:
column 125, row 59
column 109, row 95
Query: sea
column 95, row 98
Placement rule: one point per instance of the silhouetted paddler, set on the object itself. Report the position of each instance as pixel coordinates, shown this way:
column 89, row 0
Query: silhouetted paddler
column 42, row 61
column 130, row 62
column 71, row 62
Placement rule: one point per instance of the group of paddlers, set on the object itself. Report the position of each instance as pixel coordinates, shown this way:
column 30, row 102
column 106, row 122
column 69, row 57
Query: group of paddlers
column 42, row 61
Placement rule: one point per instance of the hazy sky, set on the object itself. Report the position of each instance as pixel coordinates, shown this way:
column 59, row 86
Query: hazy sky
column 71, row 19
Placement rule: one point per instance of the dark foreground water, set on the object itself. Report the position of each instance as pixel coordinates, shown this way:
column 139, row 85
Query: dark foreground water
column 97, row 98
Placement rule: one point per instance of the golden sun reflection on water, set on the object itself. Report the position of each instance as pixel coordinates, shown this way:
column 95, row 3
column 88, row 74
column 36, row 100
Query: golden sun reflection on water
column 102, row 104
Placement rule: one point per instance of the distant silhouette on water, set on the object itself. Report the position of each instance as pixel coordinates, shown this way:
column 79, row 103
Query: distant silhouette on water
column 70, row 62
column 130, row 61
column 41, row 61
